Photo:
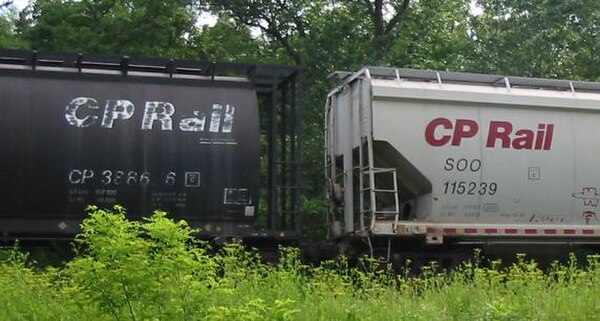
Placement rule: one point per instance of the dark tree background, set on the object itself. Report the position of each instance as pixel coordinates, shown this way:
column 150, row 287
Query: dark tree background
column 546, row 38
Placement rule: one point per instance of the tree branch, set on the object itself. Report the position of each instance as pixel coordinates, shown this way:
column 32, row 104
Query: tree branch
column 300, row 25
column 6, row 4
column 283, row 40
column 400, row 12
column 377, row 15
column 253, row 16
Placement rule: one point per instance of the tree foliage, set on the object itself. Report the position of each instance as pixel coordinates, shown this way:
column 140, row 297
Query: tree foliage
column 548, row 38
column 136, row 27
column 435, row 35
column 8, row 29
column 225, row 42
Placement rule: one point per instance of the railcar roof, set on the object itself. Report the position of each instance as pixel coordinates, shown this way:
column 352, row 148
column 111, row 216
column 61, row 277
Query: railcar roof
column 259, row 74
column 442, row 77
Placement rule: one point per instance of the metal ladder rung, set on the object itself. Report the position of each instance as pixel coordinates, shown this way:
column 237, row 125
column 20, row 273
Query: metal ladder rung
column 378, row 190
column 375, row 170
column 378, row 212
column 385, row 212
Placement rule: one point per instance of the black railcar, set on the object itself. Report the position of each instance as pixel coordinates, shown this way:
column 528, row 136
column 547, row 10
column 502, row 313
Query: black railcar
column 176, row 135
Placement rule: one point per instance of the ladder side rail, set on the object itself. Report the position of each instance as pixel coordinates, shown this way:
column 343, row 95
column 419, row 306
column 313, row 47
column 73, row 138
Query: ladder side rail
column 396, row 200
column 361, row 161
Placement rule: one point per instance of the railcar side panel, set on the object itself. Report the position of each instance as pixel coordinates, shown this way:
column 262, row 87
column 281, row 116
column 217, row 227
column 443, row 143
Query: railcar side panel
column 190, row 147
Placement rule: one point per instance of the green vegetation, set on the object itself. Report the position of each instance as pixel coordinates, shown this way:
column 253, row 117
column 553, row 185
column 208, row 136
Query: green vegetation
column 156, row 270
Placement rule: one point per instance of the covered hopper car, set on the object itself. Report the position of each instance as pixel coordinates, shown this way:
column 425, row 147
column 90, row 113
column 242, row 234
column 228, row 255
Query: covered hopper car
column 180, row 136
column 417, row 163
column 427, row 160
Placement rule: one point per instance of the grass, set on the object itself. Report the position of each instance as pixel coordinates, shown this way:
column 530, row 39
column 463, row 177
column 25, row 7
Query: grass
column 156, row 270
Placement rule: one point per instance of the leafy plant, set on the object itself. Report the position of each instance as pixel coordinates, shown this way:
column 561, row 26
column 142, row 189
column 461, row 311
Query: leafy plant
column 155, row 269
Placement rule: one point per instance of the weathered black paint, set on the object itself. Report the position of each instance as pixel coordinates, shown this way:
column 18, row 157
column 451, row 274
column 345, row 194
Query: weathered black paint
column 39, row 148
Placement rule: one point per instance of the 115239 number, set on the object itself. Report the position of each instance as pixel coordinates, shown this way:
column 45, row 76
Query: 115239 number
column 470, row 188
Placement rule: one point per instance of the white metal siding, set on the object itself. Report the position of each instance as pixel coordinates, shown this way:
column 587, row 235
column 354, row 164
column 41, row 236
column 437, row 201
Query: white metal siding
column 402, row 111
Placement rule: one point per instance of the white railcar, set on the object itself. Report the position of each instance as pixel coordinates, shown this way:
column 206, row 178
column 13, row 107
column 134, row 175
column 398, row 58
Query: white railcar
column 452, row 156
